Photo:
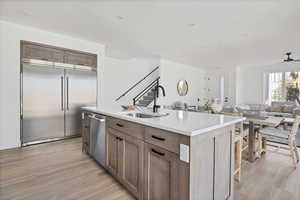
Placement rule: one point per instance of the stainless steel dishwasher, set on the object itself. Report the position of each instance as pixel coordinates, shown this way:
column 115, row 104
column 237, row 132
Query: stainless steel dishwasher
column 97, row 138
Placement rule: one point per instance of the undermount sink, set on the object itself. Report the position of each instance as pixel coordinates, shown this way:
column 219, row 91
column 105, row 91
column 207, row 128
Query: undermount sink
column 146, row 115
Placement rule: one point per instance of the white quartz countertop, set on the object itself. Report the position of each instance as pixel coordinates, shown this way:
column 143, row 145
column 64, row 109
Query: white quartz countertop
column 182, row 122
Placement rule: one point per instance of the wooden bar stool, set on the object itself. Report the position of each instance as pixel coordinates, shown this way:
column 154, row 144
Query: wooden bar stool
column 238, row 141
column 241, row 134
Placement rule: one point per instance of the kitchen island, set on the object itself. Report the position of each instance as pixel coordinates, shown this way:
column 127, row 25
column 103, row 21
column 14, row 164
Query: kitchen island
column 176, row 156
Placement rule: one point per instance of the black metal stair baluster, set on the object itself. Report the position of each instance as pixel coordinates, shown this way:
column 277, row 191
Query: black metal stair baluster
column 127, row 91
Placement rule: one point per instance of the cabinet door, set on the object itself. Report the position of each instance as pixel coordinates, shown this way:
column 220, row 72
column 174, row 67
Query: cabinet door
column 133, row 165
column 80, row 59
column 223, row 158
column 112, row 152
column 85, row 127
column 34, row 51
column 160, row 173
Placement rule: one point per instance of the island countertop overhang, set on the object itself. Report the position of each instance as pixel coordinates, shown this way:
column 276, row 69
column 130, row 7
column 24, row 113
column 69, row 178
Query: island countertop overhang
column 181, row 122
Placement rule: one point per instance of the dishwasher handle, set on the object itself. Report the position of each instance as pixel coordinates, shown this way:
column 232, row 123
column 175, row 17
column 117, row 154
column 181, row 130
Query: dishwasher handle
column 96, row 118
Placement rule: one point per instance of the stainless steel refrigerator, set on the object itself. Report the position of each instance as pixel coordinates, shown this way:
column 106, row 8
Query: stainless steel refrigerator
column 51, row 97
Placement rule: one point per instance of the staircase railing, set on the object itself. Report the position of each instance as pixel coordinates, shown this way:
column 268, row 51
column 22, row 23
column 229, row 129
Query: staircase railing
column 127, row 91
column 144, row 91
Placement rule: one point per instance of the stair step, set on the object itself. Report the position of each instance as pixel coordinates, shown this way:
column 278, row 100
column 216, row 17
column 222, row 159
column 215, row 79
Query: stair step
column 142, row 105
column 145, row 102
column 148, row 98
column 150, row 94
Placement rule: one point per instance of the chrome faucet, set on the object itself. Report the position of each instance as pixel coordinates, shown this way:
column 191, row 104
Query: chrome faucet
column 156, row 94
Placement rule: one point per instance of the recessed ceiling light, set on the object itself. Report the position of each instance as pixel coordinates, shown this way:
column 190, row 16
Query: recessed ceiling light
column 244, row 34
column 120, row 17
column 25, row 13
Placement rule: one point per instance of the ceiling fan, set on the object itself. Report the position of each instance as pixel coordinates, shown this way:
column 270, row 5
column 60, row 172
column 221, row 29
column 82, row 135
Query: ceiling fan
column 289, row 59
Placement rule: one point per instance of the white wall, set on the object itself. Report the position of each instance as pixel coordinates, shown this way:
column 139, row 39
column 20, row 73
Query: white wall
column 251, row 80
column 2, row 94
column 171, row 73
column 213, row 78
column 121, row 74
column 244, row 84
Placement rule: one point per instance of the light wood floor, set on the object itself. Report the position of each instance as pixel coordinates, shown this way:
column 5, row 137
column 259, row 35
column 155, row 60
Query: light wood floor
column 55, row 171
column 273, row 177
column 59, row 171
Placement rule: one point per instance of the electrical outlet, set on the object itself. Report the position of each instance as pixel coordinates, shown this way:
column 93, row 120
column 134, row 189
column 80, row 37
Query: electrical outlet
column 185, row 153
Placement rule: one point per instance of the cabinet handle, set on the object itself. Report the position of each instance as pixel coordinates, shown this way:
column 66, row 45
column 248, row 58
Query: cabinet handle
column 158, row 138
column 45, row 59
column 86, row 127
column 67, row 93
column 157, row 152
column 120, row 125
column 118, row 138
column 62, row 93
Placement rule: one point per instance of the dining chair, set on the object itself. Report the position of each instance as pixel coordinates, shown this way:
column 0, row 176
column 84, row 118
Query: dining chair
column 281, row 135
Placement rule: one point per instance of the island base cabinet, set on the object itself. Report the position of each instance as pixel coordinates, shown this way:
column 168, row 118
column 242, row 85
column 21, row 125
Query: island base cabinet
column 113, row 147
column 85, row 132
column 160, row 174
column 223, row 166
column 133, row 165
column 153, row 170
column 125, row 159
column 211, row 164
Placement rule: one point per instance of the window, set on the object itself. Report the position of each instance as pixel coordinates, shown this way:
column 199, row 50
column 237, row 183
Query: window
column 283, row 86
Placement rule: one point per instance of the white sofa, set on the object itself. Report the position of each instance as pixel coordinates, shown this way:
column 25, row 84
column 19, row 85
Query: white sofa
column 282, row 109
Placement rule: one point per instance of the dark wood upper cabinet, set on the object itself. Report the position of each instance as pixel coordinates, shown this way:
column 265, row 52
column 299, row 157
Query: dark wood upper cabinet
column 80, row 59
column 49, row 53
column 33, row 51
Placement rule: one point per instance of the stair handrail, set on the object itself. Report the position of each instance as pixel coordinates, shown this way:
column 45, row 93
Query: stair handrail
column 117, row 99
column 144, row 91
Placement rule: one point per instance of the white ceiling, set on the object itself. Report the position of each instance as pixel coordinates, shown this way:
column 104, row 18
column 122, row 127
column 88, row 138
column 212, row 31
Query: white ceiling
column 207, row 33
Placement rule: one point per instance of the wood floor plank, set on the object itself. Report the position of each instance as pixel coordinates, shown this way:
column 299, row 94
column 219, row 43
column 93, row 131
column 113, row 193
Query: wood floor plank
column 58, row 170
column 55, row 171
column 273, row 177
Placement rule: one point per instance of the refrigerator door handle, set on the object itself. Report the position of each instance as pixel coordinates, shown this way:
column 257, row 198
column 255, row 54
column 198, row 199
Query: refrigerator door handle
column 62, row 92
column 67, row 93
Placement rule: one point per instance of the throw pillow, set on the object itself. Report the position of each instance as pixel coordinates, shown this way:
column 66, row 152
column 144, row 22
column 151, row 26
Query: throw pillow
column 276, row 108
column 243, row 107
column 296, row 111
column 288, row 109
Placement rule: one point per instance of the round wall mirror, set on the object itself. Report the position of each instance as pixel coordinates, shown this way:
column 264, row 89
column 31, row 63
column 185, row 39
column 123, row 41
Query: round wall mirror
column 182, row 87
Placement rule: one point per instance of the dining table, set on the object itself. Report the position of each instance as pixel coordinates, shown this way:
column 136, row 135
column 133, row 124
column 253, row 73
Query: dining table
column 263, row 121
